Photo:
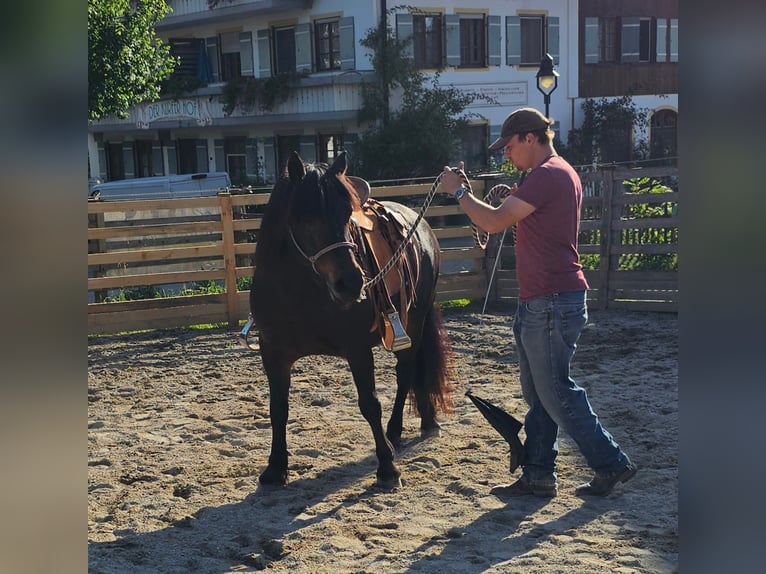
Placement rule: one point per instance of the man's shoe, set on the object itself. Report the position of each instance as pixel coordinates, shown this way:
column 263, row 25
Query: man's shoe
column 602, row 486
column 523, row 487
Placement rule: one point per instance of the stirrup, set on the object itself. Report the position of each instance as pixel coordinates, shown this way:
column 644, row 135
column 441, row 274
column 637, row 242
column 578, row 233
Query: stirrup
column 401, row 340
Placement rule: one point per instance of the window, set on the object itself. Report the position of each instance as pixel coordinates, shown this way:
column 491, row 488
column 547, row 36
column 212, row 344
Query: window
column 532, row 44
column 192, row 155
column 230, row 56
column 645, row 40
column 473, row 146
column 192, row 58
column 427, row 40
column 328, row 45
column 234, row 151
column 285, row 146
column 330, row 145
column 284, row 47
column 473, row 44
column 663, row 136
column 607, row 37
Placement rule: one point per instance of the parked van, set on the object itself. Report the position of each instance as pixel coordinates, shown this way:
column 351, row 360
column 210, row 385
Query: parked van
column 163, row 187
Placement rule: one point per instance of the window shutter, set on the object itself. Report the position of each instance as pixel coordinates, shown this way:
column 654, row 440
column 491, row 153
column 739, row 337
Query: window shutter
column 347, row 44
column 673, row 40
column 591, row 41
column 170, row 146
column 452, row 39
column 512, row 40
column 629, row 39
column 211, row 46
column 127, row 160
column 494, row 24
column 158, row 165
column 308, row 148
column 404, row 32
column 553, row 38
column 349, row 143
column 264, row 53
column 662, row 49
column 303, row 48
column 220, row 158
column 270, row 160
column 202, row 161
column 102, row 174
column 246, row 54
column 251, row 158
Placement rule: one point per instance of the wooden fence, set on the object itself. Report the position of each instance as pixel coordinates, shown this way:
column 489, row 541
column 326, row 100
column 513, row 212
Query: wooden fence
column 174, row 246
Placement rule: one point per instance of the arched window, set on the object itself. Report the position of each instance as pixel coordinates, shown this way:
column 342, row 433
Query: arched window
column 663, row 139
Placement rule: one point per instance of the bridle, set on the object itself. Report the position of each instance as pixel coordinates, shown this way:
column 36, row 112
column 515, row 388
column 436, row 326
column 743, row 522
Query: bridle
column 313, row 258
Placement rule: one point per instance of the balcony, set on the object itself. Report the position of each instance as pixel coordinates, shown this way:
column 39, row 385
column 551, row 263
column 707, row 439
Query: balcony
column 314, row 98
column 192, row 12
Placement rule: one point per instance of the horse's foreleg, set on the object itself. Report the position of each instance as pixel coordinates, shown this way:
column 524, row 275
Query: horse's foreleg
column 278, row 373
column 363, row 370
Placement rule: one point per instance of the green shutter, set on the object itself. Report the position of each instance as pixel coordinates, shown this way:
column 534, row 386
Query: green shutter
column 128, row 160
column 452, row 39
column 170, row 146
column 220, row 158
column 251, row 158
column 673, row 48
column 264, row 53
column 349, row 142
column 270, row 160
column 553, row 38
column 630, row 35
column 246, row 54
column 158, row 164
column 308, row 148
column 102, row 173
column 591, row 41
column 202, row 161
column 494, row 33
column 512, row 40
column 211, row 47
column 303, row 48
column 662, row 40
column 347, row 43
column 404, row 32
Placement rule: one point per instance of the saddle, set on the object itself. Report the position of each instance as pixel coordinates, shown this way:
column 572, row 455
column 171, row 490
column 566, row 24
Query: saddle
column 383, row 232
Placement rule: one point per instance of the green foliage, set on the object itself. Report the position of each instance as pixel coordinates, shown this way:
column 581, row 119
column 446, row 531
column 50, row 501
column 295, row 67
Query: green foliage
column 134, row 294
column 178, row 86
column 248, row 92
column 606, row 129
column 202, row 288
column 127, row 62
column 419, row 138
column 652, row 235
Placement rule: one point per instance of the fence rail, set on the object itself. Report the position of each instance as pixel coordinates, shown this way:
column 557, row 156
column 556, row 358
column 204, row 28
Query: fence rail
column 171, row 245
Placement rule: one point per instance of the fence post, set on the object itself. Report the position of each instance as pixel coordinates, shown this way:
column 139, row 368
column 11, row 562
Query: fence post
column 605, row 263
column 229, row 258
column 96, row 220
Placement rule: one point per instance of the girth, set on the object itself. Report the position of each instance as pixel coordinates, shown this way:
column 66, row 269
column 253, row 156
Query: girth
column 383, row 231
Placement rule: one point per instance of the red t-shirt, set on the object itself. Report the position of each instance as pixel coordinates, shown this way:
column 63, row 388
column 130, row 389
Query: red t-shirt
column 547, row 260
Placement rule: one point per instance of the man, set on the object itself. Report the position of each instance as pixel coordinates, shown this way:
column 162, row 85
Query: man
column 552, row 307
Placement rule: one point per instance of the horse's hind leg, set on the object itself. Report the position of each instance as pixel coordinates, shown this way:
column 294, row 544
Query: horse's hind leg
column 278, row 373
column 363, row 370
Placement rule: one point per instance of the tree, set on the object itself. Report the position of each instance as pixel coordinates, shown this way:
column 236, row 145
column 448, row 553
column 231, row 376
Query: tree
column 423, row 134
column 126, row 60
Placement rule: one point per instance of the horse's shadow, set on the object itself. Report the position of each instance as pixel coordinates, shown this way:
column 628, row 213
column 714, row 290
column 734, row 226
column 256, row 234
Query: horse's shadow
column 495, row 538
column 247, row 532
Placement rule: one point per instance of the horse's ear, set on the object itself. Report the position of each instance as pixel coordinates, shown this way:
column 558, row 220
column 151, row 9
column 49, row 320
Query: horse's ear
column 340, row 164
column 295, row 168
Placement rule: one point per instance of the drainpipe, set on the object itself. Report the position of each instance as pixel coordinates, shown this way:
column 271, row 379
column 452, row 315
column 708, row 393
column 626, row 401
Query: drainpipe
column 384, row 81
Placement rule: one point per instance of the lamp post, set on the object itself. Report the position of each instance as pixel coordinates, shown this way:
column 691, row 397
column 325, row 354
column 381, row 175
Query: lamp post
column 547, row 80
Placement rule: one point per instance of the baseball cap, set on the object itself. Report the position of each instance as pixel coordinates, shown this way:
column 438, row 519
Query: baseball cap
column 520, row 121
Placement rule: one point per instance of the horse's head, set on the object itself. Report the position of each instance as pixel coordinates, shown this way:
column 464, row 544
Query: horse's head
column 320, row 225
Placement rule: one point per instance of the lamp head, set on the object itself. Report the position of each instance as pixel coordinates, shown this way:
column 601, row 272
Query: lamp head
column 547, row 77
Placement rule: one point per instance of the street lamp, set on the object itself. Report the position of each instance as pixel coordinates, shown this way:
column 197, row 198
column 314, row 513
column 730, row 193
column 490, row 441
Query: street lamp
column 547, row 80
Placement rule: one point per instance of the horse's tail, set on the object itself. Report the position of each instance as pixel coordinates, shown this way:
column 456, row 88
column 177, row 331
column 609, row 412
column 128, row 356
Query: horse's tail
column 435, row 362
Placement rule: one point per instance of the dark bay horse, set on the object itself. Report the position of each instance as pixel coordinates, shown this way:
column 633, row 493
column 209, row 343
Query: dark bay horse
column 308, row 298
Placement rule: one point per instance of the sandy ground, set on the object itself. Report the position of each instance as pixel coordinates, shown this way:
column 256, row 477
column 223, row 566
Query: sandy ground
column 178, row 431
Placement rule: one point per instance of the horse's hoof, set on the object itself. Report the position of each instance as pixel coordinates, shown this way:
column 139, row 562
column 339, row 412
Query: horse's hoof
column 272, row 476
column 433, row 432
column 388, row 483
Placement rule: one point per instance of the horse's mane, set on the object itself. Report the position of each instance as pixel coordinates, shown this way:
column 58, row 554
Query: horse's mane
column 273, row 233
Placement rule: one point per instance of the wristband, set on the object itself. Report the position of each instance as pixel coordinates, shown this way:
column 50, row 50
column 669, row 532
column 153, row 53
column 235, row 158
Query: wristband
column 461, row 191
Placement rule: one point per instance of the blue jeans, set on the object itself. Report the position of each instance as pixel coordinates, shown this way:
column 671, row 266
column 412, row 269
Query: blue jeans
column 546, row 330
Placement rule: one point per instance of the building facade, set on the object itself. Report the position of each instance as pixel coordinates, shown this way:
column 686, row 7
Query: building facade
column 258, row 79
